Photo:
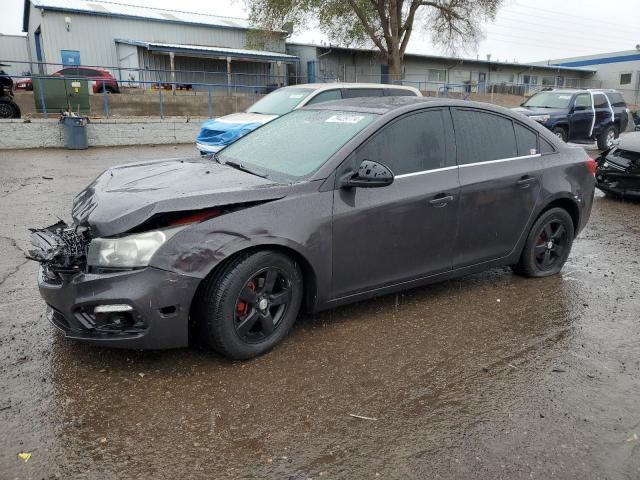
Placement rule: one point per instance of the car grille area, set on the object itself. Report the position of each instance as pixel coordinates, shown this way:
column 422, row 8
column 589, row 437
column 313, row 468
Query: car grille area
column 86, row 322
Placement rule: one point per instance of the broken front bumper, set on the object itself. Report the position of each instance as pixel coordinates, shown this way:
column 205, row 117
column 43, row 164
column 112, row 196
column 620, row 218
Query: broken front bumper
column 618, row 183
column 157, row 307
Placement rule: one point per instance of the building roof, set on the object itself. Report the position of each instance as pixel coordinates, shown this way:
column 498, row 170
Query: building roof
column 115, row 9
column 597, row 59
column 454, row 60
column 211, row 51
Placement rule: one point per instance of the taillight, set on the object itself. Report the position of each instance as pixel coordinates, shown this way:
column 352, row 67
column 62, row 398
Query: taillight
column 591, row 165
column 196, row 217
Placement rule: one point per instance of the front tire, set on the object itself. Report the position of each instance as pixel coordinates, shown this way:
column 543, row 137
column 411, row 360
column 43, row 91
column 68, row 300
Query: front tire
column 249, row 306
column 548, row 245
column 561, row 133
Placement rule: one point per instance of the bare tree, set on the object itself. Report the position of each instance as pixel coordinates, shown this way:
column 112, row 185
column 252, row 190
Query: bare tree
column 387, row 24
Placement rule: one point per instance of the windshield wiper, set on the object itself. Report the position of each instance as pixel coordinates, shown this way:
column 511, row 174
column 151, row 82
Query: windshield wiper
column 241, row 167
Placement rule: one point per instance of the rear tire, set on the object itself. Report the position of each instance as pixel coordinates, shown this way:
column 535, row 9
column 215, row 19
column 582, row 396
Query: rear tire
column 9, row 108
column 548, row 245
column 249, row 305
column 561, row 133
column 606, row 138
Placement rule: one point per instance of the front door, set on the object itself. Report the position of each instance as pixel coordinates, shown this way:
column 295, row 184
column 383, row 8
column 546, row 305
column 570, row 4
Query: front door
column 383, row 236
column 581, row 117
column 499, row 184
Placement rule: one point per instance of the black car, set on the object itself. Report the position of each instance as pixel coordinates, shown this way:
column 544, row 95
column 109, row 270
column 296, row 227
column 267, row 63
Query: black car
column 618, row 171
column 326, row 205
column 579, row 115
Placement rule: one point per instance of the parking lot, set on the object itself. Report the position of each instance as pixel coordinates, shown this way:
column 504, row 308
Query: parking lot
column 488, row 376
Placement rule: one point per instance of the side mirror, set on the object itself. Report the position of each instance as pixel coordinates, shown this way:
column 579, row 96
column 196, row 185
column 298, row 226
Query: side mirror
column 370, row 175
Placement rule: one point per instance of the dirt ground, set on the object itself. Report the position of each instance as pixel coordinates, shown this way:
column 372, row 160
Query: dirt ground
column 491, row 376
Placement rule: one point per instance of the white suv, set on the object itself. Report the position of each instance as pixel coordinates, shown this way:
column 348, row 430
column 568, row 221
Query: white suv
column 218, row 133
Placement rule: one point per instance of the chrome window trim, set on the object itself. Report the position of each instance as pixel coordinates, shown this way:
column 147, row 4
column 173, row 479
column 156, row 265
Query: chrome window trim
column 434, row 170
column 423, row 172
column 500, row 160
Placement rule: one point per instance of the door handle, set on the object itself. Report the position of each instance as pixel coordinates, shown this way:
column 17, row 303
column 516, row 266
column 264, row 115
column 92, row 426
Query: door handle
column 441, row 200
column 525, row 181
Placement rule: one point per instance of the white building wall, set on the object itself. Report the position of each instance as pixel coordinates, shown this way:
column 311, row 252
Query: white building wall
column 14, row 48
column 93, row 36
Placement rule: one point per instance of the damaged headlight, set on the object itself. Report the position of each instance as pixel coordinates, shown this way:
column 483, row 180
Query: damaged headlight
column 128, row 252
column 540, row 118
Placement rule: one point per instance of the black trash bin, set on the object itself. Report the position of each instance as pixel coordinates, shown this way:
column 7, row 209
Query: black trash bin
column 75, row 132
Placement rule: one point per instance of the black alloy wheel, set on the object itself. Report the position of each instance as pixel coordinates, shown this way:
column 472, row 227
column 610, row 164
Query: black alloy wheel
column 247, row 305
column 548, row 244
column 262, row 304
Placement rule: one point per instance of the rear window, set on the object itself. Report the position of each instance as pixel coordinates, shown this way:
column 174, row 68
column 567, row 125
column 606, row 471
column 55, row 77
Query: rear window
column 400, row 92
column 616, row 99
column 363, row 92
column 483, row 136
column 546, row 147
column 280, row 101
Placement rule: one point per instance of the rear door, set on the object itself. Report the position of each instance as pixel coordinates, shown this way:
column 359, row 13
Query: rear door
column 603, row 111
column 581, row 117
column 499, row 184
column 387, row 235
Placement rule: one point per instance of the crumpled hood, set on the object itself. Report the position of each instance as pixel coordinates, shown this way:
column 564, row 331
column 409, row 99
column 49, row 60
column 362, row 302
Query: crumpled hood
column 540, row 111
column 225, row 130
column 125, row 196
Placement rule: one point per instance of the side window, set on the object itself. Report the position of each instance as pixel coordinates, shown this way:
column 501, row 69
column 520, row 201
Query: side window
column 583, row 101
column 325, row 96
column 362, row 92
column 527, row 140
column 600, row 101
column 546, row 147
column 400, row 92
column 483, row 136
column 414, row 143
column 616, row 99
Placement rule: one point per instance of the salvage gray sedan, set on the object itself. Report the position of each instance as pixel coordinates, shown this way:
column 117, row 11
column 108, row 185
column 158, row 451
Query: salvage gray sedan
column 326, row 205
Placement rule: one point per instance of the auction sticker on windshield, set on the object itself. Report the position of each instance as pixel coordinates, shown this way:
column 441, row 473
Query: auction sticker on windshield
column 344, row 118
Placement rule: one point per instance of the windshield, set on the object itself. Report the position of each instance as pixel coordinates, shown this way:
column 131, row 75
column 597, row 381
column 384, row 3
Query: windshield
column 280, row 102
column 297, row 144
column 549, row 100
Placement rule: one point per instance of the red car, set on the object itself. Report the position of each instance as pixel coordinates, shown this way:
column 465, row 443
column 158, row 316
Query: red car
column 105, row 82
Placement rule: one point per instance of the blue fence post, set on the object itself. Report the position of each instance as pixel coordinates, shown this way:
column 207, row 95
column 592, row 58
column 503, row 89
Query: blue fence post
column 105, row 96
column 161, row 103
column 210, row 101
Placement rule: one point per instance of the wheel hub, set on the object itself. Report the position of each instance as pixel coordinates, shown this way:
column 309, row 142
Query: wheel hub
column 263, row 304
column 550, row 245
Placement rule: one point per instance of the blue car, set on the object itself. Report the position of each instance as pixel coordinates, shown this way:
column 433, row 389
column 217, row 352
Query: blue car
column 579, row 115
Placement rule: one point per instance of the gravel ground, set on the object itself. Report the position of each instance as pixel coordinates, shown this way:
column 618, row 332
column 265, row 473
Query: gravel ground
column 488, row 376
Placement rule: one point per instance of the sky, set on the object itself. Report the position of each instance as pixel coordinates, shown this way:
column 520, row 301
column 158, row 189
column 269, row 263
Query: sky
column 523, row 31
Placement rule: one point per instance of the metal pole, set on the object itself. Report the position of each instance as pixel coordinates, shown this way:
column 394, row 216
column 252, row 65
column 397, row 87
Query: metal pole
column 161, row 104
column 105, row 96
column 42, row 102
column 210, row 101
column 173, row 72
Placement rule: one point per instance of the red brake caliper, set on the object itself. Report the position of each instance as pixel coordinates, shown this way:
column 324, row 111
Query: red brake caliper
column 243, row 307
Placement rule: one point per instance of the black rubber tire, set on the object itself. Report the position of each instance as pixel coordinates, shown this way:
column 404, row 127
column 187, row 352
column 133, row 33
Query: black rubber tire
column 215, row 305
column 12, row 106
column 561, row 133
column 527, row 265
column 602, row 138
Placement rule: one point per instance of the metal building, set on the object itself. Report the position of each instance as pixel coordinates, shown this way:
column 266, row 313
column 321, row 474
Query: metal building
column 431, row 72
column 135, row 43
column 619, row 70
column 14, row 47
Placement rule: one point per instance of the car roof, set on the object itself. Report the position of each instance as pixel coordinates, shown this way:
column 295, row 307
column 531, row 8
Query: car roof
column 579, row 90
column 329, row 86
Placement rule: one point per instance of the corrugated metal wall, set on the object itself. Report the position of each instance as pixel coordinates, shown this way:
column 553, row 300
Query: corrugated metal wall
column 94, row 36
column 14, row 47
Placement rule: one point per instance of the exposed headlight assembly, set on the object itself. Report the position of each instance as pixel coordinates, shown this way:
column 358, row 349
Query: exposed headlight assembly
column 130, row 251
column 540, row 118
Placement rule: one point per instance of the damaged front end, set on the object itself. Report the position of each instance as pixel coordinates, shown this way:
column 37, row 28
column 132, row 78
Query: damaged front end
column 60, row 249
column 618, row 173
